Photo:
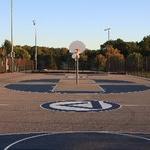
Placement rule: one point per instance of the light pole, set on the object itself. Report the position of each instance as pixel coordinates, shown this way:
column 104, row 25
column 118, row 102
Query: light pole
column 108, row 30
column 35, row 34
column 77, row 66
column 12, row 42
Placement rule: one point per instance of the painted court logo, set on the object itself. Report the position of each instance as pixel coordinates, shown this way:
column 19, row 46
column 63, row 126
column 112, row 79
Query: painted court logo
column 81, row 106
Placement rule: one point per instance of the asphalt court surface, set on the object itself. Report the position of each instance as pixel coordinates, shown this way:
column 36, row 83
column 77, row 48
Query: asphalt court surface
column 24, row 123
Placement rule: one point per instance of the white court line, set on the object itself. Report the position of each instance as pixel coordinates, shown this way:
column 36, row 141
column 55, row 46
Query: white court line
column 54, row 88
column 101, row 89
column 136, row 105
column 25, row 139
column 70, row 132
column 99, row 86
column 4, row 104
column 24, row 133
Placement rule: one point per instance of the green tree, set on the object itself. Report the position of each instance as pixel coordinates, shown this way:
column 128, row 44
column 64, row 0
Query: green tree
column 21, row 53
column 115, row 60
column 125, row 48
column 135, row 62
column 7, row 46
column 91, row 59
column 83, row 61
column 145, row 46
column 101, row 62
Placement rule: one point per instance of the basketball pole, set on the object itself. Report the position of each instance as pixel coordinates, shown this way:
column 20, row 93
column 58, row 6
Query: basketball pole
column 77, row 67
column 76, row 48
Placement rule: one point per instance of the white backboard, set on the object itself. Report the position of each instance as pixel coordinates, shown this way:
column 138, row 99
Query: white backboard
column 77, row 45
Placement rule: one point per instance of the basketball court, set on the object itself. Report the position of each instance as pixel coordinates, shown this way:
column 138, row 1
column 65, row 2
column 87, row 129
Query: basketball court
column 46, row 111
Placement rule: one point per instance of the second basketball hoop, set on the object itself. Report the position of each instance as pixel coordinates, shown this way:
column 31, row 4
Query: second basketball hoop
column 76, row 48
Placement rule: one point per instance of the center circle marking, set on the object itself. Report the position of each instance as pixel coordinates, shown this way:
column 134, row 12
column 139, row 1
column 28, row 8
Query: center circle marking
column 81, row 106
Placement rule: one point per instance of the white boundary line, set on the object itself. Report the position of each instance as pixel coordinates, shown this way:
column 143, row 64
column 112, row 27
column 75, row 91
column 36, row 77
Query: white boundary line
column 48, row 132
column 101, row 89
column 99, row 86
column 4, row 104
column 54, row 88
column 72, row 132
column 23, row 133
column 25, row 139
column 136, row 105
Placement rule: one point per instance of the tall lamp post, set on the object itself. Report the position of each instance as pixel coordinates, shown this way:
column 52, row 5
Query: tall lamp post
column 12, row 42
column 108, row 30
column 35, row 34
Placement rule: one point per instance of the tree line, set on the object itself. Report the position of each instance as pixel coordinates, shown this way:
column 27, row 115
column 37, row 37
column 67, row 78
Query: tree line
column 112, row 55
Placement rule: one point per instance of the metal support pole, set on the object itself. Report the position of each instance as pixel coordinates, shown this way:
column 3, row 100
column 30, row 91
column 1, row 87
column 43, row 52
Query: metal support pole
column 12, row 47
column 35, row 34
column 108, row 34
column 35, row 49
column 108, row 30
column 77, row 72
column 77, row 67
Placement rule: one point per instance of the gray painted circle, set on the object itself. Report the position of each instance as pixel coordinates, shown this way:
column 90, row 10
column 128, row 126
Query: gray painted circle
column 77, row 45
column 81, row 106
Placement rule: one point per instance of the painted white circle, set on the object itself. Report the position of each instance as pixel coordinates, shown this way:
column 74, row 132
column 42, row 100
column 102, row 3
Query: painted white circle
column 81, row 106
column 77, row 45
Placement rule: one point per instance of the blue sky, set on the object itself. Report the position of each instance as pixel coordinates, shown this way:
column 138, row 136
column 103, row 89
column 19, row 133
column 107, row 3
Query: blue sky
column 59, row 22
